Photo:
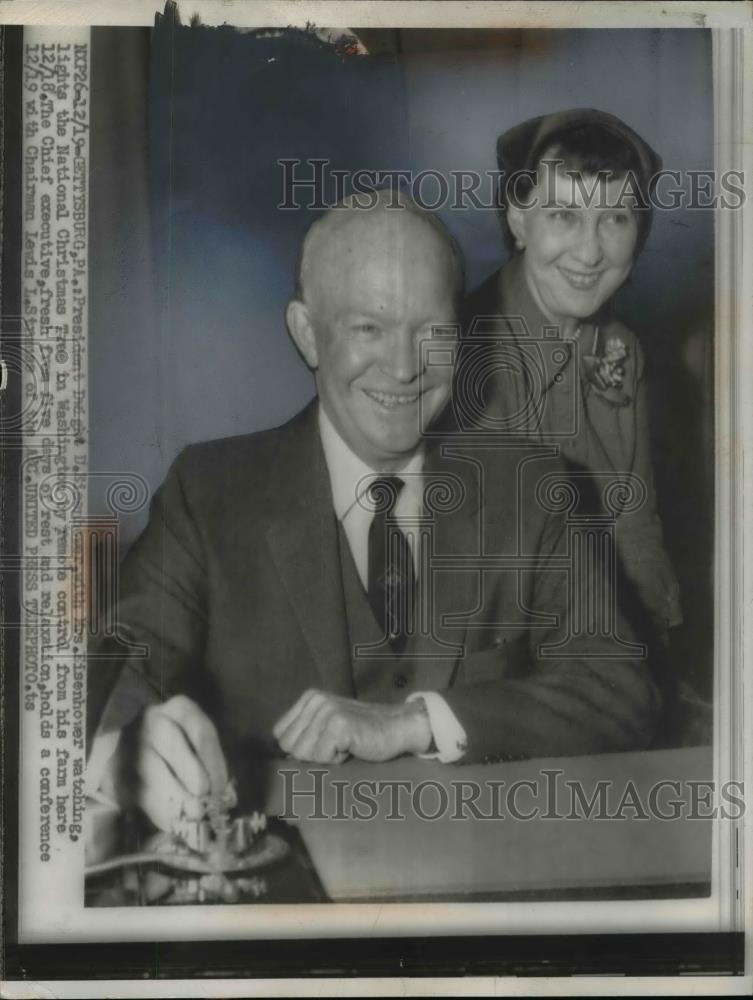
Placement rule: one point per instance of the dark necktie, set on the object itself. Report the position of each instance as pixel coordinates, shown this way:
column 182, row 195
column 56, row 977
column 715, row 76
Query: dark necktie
column 391, row 577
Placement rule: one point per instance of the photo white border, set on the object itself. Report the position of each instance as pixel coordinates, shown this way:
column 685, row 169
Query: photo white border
column 733, row 84
column 390, row 13
column 733, row 687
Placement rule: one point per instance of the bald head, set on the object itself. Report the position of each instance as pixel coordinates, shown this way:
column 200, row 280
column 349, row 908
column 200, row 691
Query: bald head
column 394, row 224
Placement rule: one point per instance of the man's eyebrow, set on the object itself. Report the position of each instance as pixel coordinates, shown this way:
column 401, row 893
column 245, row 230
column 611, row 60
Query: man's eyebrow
column 351, row 314
column 560, row 202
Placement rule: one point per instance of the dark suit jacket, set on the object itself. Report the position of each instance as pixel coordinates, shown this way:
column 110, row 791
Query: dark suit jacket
column 235, row 586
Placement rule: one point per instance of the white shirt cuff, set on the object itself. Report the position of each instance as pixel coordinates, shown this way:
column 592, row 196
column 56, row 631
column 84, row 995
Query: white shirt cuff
column 449, row 736
column 103, row 748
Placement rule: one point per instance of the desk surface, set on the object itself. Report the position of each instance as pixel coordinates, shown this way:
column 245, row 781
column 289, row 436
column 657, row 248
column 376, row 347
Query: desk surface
column 461, row 856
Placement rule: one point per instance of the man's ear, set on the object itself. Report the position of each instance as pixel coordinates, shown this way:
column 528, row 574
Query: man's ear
column 516, row 222
column 301, row 330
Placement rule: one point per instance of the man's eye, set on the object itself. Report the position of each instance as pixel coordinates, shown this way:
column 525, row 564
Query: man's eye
column 365, row 328
column 562, row 215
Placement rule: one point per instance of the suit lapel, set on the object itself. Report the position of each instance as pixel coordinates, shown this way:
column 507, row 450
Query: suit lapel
column 302, row 537
column 303, row 542
column 455, row 531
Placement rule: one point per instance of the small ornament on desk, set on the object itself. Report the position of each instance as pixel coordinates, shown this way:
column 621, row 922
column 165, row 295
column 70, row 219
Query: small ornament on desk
column 206, row 859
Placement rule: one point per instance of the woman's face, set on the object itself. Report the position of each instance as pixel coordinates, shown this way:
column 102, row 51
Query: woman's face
column 579, row 243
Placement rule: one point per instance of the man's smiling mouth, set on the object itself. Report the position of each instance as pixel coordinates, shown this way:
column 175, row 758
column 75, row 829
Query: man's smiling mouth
column 392, row 400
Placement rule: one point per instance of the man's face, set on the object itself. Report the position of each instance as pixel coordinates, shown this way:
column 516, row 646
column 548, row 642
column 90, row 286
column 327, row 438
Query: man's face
column 577, row 254
column 385, row 283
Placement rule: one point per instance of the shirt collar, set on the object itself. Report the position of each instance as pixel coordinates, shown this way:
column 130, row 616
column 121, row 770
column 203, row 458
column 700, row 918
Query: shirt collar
column 349, row 475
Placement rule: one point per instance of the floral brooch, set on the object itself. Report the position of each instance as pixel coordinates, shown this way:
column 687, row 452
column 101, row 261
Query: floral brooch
column 606, row 372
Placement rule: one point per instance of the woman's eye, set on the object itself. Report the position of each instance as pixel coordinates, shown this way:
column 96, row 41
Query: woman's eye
column 365, row 328
column 617, row 218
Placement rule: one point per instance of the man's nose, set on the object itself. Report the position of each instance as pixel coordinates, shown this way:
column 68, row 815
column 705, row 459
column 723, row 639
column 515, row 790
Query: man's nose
column 587, row 249
column 402, row 359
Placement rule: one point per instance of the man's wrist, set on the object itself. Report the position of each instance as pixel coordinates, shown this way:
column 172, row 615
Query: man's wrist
column 417, row 727
column 449, row 741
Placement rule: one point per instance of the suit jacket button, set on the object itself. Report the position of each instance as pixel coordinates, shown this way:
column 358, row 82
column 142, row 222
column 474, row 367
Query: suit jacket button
column 400, row 680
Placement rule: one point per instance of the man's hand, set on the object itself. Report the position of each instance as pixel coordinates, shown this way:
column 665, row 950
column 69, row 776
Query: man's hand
column 177, row 762
column 325, row 728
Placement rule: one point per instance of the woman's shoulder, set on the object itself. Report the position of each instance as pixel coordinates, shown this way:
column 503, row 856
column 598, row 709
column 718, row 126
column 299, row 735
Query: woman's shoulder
column 482, row 301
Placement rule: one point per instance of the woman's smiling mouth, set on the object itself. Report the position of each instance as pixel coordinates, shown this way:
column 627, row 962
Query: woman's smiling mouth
column 581, row 280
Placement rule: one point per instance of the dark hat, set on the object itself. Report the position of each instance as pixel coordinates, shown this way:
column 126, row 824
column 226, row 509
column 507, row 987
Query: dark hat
column 520, row 147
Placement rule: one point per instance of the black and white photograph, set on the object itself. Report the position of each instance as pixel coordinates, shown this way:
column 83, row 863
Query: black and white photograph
column 375, row 416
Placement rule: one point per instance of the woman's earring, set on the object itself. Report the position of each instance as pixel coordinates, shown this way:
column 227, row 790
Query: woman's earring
column 519, row 244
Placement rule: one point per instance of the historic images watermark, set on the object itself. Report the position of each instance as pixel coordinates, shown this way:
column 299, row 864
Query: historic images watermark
column 314, row 184
column 548, row 795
